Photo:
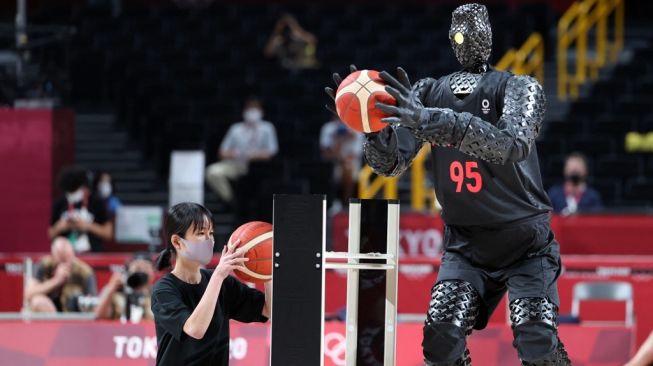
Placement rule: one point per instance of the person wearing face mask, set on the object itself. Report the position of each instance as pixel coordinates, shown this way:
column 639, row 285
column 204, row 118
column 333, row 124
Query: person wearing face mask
column 575, row 195
column 251, row 139
column 103, row 188
column 192, row 305
column 127, row 295
column 78, row 214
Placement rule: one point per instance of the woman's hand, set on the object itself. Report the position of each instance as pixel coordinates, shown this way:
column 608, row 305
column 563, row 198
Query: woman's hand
column 230, row 260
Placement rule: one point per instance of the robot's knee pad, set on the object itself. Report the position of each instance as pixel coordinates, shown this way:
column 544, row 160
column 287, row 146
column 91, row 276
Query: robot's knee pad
column 534, row 326
column 452, row 312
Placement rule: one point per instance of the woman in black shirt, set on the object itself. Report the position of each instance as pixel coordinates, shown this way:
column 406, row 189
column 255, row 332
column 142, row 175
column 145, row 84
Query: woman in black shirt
column 192, row 305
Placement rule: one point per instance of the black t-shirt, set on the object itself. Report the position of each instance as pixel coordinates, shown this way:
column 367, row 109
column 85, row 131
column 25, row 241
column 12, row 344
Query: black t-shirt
column 96, row 209
column 473, row 191
column 174, row 300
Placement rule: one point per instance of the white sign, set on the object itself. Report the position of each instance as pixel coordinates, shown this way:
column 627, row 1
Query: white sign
column 138, row 224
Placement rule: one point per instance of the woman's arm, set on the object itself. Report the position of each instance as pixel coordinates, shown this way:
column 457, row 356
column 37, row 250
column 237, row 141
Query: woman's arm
column 62, row 225
column 104, row 231
column 199, row 320
column 267, row 308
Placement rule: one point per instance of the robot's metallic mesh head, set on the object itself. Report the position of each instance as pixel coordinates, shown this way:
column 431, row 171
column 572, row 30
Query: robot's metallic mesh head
column 471, row 36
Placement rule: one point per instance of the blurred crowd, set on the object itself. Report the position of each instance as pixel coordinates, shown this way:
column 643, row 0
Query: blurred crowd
column 62, row 282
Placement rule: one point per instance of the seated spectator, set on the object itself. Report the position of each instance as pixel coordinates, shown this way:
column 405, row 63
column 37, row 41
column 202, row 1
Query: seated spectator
column 103, row 188
column 292, row 45
column 59, row 280
column 252, row 139
column 574, row 195
column 345, row 148
column 128, row 295
column 79, row 215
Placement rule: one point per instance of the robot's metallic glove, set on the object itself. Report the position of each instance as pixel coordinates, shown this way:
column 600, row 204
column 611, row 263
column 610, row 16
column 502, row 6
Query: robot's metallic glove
column 440, row 126
column 409, row 111
column 331, row 92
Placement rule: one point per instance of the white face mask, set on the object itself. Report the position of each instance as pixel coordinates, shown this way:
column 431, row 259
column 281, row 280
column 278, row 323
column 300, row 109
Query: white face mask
column 104, row 188
column 76, row 196
column 200, row 251
column 252, row 115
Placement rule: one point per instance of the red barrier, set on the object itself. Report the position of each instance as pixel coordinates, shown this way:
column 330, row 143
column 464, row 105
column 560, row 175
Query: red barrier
column 112, row 343
column 34, row 144
column 421, row 235
column 604, row 234
column 415, row 281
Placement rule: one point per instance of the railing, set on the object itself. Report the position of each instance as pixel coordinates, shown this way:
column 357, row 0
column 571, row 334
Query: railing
column 369, row 186
column 574, row 29
column 527, row 60
column 419, row 193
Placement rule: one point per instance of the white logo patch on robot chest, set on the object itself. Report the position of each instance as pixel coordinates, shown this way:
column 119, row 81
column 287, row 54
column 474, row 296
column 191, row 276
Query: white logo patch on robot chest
column 485, row 106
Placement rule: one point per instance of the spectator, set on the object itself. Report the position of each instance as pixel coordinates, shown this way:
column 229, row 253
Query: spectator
column 292, row 45
column 79, row 215
column 59, row 280
column 574, row 195
column 252, row 139
column 103, row 188
column 344, row 148
column 128, row 295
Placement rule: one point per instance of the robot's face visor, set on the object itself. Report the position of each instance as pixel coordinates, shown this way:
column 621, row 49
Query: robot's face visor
column 471, row 35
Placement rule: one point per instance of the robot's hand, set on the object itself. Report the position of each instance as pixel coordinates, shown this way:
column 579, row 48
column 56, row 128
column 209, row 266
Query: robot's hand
column 409, row 111
column 331, row 92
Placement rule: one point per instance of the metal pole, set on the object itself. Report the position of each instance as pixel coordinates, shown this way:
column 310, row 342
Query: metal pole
column 351, row 321
column 392, row 277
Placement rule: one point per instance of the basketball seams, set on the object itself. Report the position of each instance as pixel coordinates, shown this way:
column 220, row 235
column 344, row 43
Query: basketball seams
column 367, row 88
column 259, row 236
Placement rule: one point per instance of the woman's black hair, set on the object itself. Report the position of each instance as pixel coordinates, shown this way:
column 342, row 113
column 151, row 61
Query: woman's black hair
column 179, row 219
column 71, row 178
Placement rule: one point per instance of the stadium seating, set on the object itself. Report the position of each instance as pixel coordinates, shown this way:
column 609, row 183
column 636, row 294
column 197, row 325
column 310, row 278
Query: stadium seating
column 213, row 60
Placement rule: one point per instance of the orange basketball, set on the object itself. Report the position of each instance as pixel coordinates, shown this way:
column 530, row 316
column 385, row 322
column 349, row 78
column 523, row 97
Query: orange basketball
column 356, row 97
column 256, row 236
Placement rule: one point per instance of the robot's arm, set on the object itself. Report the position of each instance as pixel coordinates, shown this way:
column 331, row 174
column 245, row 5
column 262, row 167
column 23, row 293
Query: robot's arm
column 510, row 141
column 513, row 137
column 391, row 151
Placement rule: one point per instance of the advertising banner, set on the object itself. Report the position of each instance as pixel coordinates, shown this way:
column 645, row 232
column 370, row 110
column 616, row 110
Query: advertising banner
column 111, row 343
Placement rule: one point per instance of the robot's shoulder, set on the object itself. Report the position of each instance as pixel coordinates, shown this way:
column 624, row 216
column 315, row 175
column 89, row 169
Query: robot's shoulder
column 525, row 86
column 427, row 86
column 424, row 83
column 523, row 81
